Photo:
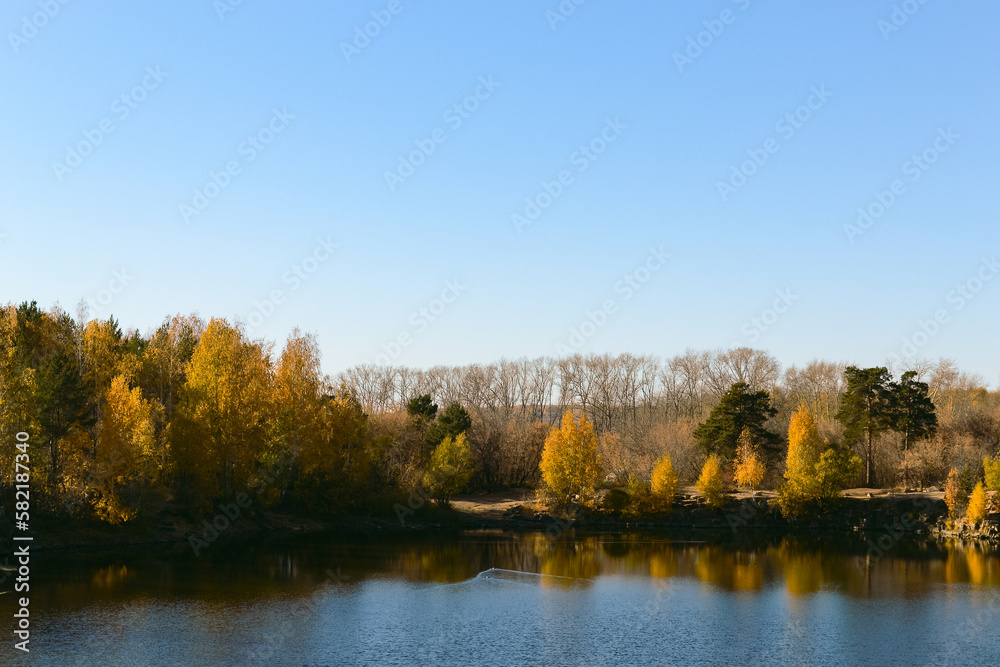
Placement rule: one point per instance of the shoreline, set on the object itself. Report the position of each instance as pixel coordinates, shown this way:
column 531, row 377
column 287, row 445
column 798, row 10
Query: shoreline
column 914, row 515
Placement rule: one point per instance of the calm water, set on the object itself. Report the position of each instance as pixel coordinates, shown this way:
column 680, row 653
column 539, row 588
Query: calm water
column 578, row 600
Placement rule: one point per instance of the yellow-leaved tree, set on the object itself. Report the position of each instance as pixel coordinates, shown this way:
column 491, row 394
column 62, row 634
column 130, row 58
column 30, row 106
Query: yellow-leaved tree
column 749, row 468
column 570, row 463
column 978, row 507
column 331, row 474
column 17, row 389
column 710, row 483
column 991, row 467
column 223, row 422
column 102, row 357
column 815, row 472
column 449, row 469
column 663, row 482
column 128, row 458
column 954, row 496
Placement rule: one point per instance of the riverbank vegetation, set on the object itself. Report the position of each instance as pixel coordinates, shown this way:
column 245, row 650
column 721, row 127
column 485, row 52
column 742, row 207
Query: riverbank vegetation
column 199, row 413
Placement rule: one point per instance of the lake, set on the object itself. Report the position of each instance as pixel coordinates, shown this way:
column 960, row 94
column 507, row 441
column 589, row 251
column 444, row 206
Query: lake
column 519, row 599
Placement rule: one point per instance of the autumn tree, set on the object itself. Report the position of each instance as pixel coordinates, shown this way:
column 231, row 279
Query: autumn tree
column 570, row 464
column 18, row 379
column 450, row 468
column 991, row 468
column 955, row 496
column 102, row 358
column 223, row 423
column 739, row 409
column 332, row 473
column 749, row 469
column 978, row 507
column 866, row 411
column 710, row 484
column 664, row 482
column 815, row 472
column 128, row 458
column 161, row 370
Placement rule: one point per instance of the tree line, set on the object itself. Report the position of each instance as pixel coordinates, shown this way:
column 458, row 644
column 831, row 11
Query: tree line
column 198, row 412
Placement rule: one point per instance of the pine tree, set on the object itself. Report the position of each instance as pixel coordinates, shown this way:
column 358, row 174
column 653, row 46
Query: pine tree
column 866, row 411
column 737, row 410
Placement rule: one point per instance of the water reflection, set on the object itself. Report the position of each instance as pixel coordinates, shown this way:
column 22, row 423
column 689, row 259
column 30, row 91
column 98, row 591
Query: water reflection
column 799, row 566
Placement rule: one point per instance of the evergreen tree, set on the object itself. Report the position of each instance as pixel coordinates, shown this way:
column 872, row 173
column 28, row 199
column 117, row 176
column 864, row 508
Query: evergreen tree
column 913, row 412
column 452, row 422
column 866, row 411
column 739, row 409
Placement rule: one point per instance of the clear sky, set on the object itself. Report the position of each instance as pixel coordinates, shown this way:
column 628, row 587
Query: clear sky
column 627, row 124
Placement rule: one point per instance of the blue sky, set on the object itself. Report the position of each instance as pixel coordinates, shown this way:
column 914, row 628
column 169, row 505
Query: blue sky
column 332, row 116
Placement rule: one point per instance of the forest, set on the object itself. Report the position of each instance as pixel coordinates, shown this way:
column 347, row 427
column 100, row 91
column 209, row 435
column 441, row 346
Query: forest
column 196, row 413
